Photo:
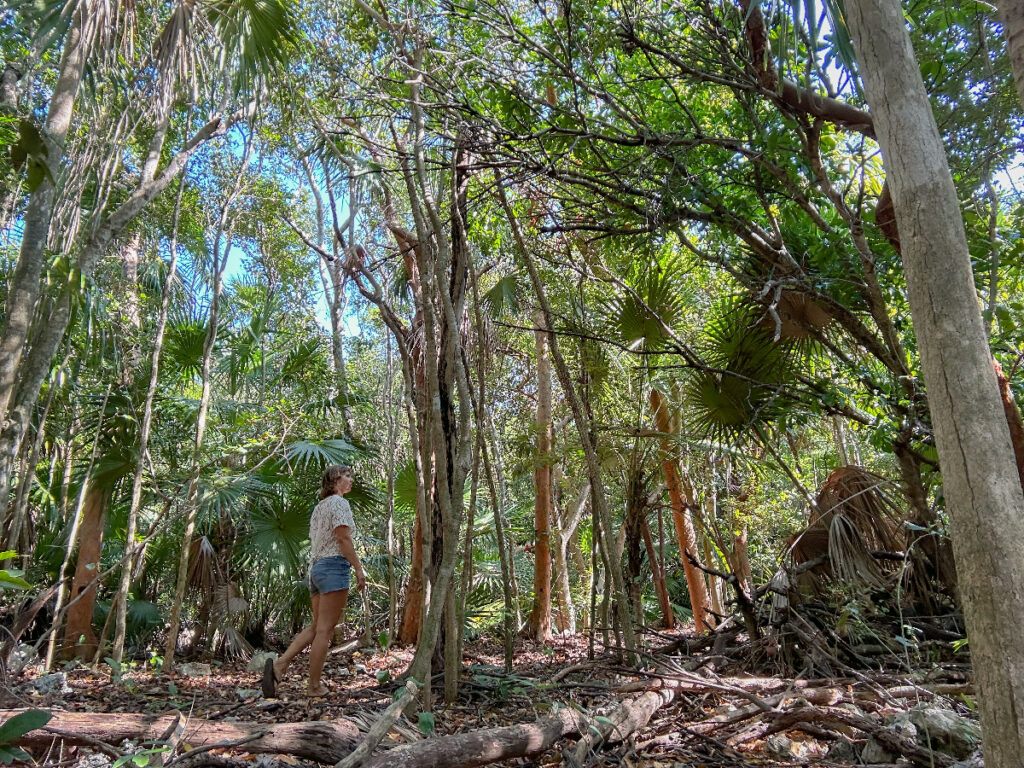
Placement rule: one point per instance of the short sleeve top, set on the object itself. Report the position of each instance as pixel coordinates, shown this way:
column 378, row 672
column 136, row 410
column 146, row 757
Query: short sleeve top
column 328, row 515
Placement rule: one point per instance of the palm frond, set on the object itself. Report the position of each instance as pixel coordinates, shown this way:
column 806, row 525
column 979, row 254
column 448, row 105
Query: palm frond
column 654, row 301
column 258, row 36
column 319, row 453
column 506, row 296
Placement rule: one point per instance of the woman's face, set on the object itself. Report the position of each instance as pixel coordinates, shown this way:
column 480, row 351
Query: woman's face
column 344, row 484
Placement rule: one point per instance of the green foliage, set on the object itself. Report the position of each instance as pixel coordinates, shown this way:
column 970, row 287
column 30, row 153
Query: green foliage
column 748, row 381
column 426, row 723
column 650, row 305
column 14, row 728
column 320, row 453
column 11, row 579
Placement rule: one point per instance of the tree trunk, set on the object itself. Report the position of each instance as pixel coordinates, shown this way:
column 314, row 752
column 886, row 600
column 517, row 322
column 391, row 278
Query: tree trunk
column 540, row 616
column 584, row 427
column 120, row 604
column 79, row 638
column 980, row 480
column 444, row 266
column 483, row 747
column 221, row 248
column 1013, row 419
column 24, row 287
column 681, row 515
column 1011, row 13
column 563, row 535
column 668, row 619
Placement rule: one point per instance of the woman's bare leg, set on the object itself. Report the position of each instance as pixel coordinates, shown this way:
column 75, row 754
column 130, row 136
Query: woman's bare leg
column 332, row 608
column 298, row 643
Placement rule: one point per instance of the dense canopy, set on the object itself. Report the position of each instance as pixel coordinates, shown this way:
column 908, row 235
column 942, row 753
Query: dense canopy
column 619, row 310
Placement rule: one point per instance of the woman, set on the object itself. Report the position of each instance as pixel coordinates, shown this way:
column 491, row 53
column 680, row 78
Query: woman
column 331, row 557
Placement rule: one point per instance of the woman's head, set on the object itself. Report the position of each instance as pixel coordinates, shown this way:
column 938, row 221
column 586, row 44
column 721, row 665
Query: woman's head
column 333, row 475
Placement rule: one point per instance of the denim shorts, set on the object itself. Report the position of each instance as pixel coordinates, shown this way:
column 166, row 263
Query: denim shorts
column 329, row 574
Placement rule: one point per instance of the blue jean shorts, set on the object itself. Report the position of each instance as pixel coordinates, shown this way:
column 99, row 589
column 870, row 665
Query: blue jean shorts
column 329, row 574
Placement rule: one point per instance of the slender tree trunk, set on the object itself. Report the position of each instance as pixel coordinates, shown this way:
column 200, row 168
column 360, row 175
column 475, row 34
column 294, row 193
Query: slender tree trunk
column 668, row 619
column 444, row 266
column 390, row 461
column 25, row 284
column 222, row 240
column 980, row 480
column 120, row 605
column 20, row 520
column 1011, row 12
column 681, row 515
column 583, row 426
column 79, row 637
column 540, row 616
column 563, row 535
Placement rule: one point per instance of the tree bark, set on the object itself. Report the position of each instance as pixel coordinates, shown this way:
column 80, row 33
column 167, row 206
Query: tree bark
column 477, row 748
column 668, row 619
column 681, row 515
column 120, row 605
column 79, row 638
column 24, row 287
column 1013, row 419
column 540, row 616
column 563, row 535
column 322, row 742
column 1011, row 13
column 980, row 479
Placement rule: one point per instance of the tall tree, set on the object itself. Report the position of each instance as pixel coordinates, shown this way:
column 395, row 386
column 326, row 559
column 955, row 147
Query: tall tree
column 980, row 481
column 540, row 616
column 1011, row 12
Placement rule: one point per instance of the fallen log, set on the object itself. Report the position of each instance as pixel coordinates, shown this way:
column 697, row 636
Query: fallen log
column 478, row 748
column 628, row 717
column 379, row 729
column 325, row 742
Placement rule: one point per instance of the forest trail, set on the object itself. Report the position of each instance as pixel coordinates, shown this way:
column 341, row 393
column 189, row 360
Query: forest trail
column 677, row 710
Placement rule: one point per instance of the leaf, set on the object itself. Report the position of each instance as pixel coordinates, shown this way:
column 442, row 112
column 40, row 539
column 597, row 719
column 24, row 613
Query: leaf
column 9, row 754
column 321, row 452
column 9, row 581
column 426, row 723
column 506, row 297
column 15, row 727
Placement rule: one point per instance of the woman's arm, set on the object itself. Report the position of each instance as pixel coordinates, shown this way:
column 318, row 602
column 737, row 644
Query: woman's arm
column 343, row 537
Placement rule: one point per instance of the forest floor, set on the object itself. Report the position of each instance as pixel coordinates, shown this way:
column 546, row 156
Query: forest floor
column 705, row 716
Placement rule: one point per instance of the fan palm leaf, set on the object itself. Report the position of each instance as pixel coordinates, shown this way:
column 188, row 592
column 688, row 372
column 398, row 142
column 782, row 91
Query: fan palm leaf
column 320, row 453
column 653, row 300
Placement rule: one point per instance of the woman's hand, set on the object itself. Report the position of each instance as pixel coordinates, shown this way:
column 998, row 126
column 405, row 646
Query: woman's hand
column 360, row 579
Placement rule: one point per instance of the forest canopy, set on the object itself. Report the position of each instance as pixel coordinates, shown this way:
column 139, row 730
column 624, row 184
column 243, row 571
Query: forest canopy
column 632, row 319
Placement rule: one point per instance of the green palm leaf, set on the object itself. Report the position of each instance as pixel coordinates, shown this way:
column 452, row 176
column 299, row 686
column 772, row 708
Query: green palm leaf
column 505, row 297
column 653, row 302
column 319, row 453
column 257, row 35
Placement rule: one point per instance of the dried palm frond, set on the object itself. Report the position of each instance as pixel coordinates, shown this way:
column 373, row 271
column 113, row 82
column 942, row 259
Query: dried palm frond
column 203, row 570
column 853, row 518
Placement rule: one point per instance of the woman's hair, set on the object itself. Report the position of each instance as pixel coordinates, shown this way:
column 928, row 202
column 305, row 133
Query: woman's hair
column 332, row 475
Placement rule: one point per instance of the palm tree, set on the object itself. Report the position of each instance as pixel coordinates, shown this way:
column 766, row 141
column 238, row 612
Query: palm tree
column 245, row 41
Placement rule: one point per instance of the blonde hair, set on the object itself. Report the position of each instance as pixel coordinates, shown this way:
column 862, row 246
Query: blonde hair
column 330, row 478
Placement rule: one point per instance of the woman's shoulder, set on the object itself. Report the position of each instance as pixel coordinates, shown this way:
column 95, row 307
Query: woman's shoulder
column 332, row 502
